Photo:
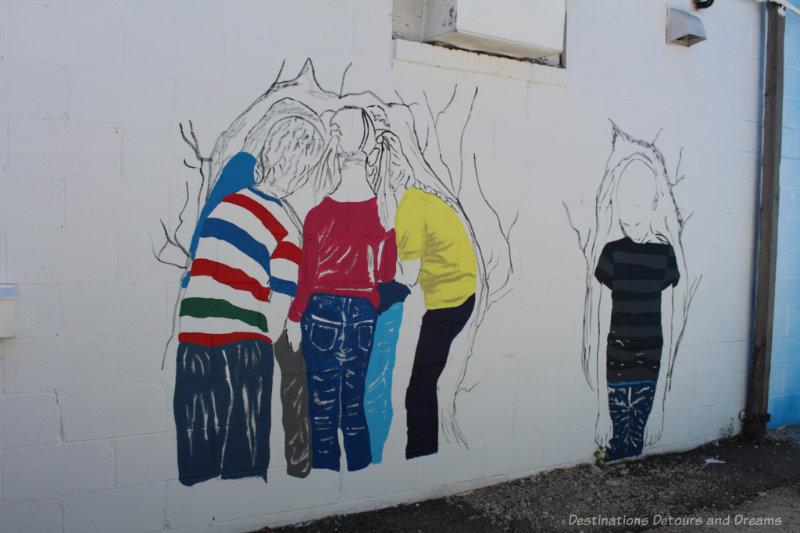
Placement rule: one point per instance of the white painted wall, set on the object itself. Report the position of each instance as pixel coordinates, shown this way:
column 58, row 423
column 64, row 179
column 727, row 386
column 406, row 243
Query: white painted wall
column 91, row 96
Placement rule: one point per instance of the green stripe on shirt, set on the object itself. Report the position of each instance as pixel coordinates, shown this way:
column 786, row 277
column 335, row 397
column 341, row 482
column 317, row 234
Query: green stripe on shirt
column 216, row 308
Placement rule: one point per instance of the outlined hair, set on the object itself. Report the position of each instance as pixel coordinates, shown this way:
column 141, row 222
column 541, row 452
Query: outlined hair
column 288, row 142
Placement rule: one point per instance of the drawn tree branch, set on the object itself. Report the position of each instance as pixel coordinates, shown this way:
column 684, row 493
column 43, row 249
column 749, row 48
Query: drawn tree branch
column 172, row 241
column 447, row 173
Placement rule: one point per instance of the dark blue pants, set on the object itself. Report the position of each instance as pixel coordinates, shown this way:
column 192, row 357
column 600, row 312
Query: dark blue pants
column 337, row 339
column 222, row 410
column 439, row 328
column 629, row 405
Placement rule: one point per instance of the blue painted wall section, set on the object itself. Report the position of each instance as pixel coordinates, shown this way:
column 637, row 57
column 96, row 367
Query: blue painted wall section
column 784, row 387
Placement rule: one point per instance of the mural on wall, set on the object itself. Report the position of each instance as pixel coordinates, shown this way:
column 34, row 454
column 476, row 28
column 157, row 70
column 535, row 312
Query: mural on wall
column 317, row 214
column 634, row 254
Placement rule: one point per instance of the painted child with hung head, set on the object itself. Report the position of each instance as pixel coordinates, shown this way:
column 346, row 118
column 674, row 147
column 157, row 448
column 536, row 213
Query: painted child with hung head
column 347, row 252
column 637, row 268
column 242, row 278
column 431, row 237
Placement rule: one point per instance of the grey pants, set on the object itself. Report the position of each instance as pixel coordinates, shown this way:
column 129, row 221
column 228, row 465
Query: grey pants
column 294, row 398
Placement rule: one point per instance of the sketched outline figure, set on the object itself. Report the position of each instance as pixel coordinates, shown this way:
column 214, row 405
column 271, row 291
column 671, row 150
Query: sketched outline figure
column 592, row 240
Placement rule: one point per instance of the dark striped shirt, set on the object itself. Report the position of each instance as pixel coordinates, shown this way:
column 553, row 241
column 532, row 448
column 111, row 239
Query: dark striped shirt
column 636, row 273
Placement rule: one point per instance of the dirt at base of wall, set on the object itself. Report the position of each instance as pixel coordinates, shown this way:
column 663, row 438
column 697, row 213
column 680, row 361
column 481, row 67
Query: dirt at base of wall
column 729, row 485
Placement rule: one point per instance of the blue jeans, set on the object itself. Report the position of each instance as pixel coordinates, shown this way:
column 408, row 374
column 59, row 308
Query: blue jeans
column 629, row 405
column 378, row 396
column 337, row 339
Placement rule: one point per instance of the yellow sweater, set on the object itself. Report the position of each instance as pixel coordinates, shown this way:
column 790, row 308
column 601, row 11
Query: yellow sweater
column 429, row 229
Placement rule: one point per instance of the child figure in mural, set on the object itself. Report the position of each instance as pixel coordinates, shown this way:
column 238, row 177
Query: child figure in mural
column 637, row 268
column 635, row 250
column 243, row 276
column 429, row 230
column 347, row 252
column 431, row 237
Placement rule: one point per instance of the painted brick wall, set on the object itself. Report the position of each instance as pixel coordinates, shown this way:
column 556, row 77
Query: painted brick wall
column 784, row 385
column 92, row 93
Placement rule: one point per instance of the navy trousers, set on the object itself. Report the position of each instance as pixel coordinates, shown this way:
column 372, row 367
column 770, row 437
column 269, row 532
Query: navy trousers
column 629, row 405
column 439, row 328
column 222, row 410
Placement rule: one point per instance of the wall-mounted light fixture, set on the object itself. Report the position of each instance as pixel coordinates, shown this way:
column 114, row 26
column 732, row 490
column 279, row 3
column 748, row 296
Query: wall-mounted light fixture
column 702, row 4
column 684, row 28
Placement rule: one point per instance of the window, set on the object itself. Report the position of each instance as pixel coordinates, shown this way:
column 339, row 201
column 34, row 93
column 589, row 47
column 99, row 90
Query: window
column 530, row 30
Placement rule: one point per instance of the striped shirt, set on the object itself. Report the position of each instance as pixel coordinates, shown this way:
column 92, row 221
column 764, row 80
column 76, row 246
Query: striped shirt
column 636, row 273
column 247, row 250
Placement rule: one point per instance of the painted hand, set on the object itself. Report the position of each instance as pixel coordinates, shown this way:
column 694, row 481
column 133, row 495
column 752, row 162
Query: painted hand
column 293, row 334
column 655, row 427
column 603, row 431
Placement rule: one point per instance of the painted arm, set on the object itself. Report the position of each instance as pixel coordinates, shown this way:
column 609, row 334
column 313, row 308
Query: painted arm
column 602, row 428
column 410, row 238
column 676, row 313
column 306, row 270
column 655, row 423
column 678, row 300
column 387, row 262
column 591, row 331
column 604, row 274
column 408, row 272
column 285, row 262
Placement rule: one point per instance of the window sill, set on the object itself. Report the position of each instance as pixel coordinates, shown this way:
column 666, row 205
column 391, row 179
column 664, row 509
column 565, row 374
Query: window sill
column 448, row 58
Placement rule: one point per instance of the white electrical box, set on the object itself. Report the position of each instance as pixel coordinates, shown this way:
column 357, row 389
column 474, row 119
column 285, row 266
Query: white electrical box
column 8, row 310
column 516, row 28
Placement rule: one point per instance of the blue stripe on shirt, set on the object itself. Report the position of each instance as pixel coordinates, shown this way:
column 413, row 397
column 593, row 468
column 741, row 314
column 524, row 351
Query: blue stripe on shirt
column 239, row 238
column 244, row 242
column 264, row 196
column 283, row 286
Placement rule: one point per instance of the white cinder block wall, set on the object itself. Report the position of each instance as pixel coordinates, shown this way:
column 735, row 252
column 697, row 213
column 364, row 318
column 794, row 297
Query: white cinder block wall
column 92, row 93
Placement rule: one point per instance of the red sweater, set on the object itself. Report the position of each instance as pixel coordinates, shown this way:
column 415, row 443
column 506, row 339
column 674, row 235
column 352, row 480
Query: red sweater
column 346, row 251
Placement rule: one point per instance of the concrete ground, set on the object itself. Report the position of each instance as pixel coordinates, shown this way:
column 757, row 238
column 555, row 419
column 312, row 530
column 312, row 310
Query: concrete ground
column 725, row 486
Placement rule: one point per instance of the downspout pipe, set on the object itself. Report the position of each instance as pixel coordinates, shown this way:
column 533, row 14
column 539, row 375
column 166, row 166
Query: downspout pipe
column 756, row 415
column 784, row 4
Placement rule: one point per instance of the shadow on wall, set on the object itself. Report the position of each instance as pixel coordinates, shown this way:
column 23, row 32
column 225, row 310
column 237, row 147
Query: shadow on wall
column 315, row 215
